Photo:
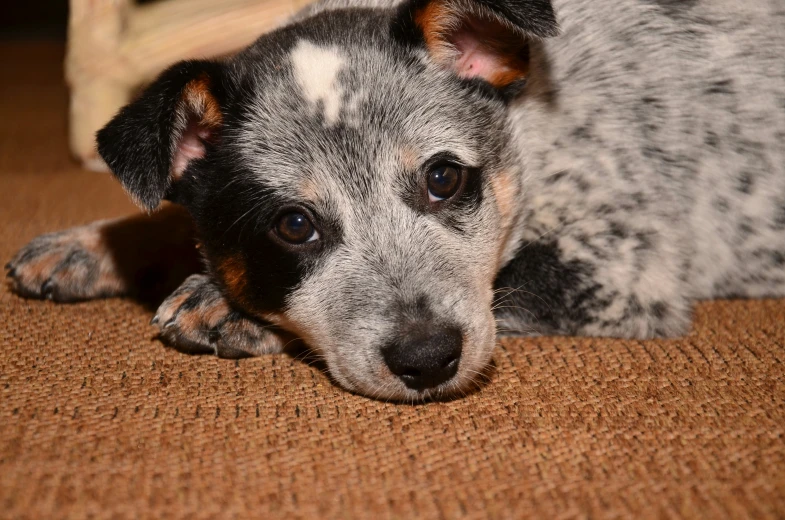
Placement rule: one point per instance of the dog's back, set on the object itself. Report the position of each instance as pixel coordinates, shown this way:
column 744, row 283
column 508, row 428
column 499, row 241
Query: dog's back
column 670, row 116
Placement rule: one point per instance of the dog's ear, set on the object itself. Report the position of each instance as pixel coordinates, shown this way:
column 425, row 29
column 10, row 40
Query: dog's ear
column 483, row 39
column 150, row 142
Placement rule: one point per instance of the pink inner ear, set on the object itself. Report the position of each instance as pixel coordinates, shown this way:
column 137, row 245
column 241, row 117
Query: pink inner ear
column 474, row 58
column 190, row 146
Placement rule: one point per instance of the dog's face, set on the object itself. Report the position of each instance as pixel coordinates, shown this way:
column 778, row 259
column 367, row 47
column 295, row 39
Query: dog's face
column 351, row 181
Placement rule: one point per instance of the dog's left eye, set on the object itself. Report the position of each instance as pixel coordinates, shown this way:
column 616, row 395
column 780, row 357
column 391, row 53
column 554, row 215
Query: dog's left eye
column 295, row 228
column 444, row 181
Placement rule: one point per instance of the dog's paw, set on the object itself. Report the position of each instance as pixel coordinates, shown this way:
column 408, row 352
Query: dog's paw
column 196, row 319
column 67, row 266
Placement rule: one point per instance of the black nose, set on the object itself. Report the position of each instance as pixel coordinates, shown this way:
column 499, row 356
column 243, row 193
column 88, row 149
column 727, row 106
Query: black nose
column 427, row 355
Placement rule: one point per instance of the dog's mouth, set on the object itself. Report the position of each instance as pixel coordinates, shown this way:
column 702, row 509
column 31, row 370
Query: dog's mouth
column 439, row 377
column 463, row 384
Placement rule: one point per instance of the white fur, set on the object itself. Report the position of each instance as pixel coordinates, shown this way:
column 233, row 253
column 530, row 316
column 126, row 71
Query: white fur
column 316, row 71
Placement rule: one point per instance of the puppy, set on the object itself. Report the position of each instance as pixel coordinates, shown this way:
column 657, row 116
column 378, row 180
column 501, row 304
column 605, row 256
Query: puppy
column 396, row 183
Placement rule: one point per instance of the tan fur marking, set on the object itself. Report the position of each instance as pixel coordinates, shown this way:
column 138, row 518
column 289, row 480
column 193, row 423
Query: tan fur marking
column 309, row 190
column 43, row 267
column 435, row 19
column 201, row 316
column 233, row 273
column 505, row 193
column 410, row 159
column 438, row 22
column 199, row 98
column 516, row 62
column 215, row 312
column 504, row 78
column 176, row 302
column 189, row 320
column 503, row 187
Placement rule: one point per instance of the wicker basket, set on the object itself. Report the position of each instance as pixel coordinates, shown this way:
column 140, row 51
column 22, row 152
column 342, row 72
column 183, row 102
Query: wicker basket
column 114, row 46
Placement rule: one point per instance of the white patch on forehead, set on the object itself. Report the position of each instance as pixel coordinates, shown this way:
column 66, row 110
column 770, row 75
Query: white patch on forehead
column 316, row 71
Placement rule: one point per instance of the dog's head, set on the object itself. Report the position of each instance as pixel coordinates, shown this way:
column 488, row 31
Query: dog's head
column 351, row 180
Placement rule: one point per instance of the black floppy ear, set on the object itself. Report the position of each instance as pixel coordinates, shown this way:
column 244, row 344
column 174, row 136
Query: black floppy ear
column 483, row 39
column 149, row 143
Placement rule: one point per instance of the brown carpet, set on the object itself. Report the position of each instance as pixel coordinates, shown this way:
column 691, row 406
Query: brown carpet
column 99, row 419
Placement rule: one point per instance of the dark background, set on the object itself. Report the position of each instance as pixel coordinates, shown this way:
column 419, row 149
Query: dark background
column 36, row 19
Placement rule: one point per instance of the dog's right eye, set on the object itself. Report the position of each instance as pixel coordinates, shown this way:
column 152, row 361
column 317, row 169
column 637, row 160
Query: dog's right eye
column 296, row 228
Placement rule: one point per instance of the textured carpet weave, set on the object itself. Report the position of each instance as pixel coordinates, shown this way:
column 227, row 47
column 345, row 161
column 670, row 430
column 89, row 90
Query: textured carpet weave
column 99, row 419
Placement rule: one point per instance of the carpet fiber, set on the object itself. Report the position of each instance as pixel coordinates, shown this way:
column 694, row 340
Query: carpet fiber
column 99, row 419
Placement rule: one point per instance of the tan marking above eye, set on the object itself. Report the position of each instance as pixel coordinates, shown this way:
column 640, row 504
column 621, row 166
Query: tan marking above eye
column 410, row 159
column 309, row 190
column 504, row 191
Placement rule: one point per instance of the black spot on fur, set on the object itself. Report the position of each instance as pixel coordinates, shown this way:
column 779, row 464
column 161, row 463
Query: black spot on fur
column 779, row 217
column 617, row 230
column 605, row 209
column 659, row 310
column 547, row 292
column 639, row 198
column 675, row 8
column 556, row 177
column 721, row 204
column 645, row 241
column 653, row 152
column 582, row 133
column 746, row 228
column 720, row 87
column 581, row 183
column 633, row 309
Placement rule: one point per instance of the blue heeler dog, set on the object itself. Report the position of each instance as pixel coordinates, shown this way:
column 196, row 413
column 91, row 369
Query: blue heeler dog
column 397, row 183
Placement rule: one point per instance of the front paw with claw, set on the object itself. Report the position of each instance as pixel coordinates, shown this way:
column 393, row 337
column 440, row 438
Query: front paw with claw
column 68, row 266
column 197, row 319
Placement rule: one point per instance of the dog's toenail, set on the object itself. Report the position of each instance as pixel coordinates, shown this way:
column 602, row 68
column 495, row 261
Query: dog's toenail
column 214, row 335
column 47, row 289
column 7, row 266
column 155, row 319
column 11, row 273
column 168, row 324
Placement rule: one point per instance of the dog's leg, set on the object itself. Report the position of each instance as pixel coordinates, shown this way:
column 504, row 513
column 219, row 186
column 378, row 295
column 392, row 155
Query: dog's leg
column 542, row 292
column 141, row 255
column 147, row 256
column 197, row 319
